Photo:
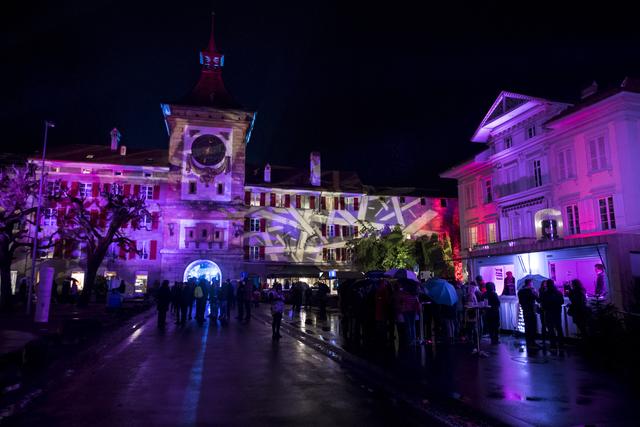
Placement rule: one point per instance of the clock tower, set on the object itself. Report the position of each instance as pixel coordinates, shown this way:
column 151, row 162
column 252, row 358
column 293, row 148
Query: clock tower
column 207, row 138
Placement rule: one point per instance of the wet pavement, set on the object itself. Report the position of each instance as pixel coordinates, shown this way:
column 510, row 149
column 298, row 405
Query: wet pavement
column 212, row 375
column 512, row 385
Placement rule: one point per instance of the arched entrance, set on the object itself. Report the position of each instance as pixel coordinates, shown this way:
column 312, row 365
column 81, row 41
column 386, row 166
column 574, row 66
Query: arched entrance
column 203, row 268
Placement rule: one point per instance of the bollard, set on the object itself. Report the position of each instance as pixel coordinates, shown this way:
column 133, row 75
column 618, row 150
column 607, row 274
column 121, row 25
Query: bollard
column 44, row 295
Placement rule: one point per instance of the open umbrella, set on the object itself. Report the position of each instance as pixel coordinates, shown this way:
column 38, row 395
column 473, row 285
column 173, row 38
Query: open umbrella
column 402, row 273
column 536, row 278
column 441, row 292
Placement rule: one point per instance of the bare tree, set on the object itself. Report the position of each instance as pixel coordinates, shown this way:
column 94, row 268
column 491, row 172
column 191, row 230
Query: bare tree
column 99, row 222
column 18, row 187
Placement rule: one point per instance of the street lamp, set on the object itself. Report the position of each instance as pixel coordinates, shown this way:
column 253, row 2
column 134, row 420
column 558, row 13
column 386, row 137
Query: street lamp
column 47, row 125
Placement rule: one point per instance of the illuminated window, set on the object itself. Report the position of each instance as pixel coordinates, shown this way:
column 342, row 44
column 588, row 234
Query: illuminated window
column 573, row 219
column 331, row 231
column 473, row 235
column 331, row 254
column 254, row 224
column 566, row 168
column 607, row 214
column 254, row 253
column 143, row 249
column 491, row 232
column 84, row 190
column 597, row 149
column 146, row 191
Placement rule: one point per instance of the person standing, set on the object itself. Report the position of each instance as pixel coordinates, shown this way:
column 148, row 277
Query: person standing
column 602, row 287
column 176, row 298
column 223, row 297
column 247, row 298
column 492, row 316
column 277, row 308
column 410, row 306
column 552, row 302
column 509, row 284
column 578, row 309
column 527, row 299
column 200, row 295
column 543, row 315
column 164, row 299
column 323, row 291
column 308, row 296
column 186, row 301
column 239, row 299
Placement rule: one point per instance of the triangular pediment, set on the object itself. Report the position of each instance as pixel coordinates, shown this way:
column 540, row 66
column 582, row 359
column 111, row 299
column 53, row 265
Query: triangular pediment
column 503, row 109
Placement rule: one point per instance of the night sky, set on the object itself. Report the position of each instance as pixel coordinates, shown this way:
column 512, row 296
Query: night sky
column 393, row 91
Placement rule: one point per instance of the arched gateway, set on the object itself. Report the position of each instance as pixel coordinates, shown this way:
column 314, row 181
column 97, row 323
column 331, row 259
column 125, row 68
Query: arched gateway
column 203, row 268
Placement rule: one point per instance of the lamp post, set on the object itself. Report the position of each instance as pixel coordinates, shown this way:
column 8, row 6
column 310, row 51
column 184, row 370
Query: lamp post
column 47, row 125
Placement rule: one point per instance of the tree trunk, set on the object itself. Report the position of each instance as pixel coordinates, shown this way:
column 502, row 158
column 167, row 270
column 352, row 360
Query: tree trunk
column 94, row 261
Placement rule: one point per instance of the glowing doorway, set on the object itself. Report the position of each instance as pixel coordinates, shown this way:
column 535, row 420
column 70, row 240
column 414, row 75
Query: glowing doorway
column 203, row 268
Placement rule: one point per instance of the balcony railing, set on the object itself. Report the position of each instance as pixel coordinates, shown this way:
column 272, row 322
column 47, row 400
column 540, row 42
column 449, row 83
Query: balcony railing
column 518, row 186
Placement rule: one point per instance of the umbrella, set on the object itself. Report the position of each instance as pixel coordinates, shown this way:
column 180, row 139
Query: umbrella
column 375, row 274
column 441, row 292
column 402, row 273
column 537, row 280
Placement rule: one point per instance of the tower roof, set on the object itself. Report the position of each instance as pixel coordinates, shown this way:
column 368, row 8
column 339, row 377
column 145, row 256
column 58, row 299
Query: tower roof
column 210, row 90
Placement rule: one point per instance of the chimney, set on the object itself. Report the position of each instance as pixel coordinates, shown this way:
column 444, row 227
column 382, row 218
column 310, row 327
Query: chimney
column 115, row 139
column 123, row 150
column 315, row 171
column 267, row 173
column 587, row 92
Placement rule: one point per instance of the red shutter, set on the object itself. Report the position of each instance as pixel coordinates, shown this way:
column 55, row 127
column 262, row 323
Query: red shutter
column 95, row 189
column 342, row 203
column 247, row 224
column 261, row 249
column 246, row 252
column 344, row 254
column 60, row 219
column 127, row 189
column 355, row 231
column 356, row 203
column 323, row 203
column 153, row 249
column 263, row 197
column 74, row 188
column 247, row 197
column 156, row 192
column 287, row 201
column 136, row 190
column 272, row 199
column 324, row 254
column 132, row 250
column 336, row 230
column 263, row 224
column 63, row 185
column 103, row 217
column 323, row 229
column 336, row 203
column 107, row 188
column 123, row 252
column 298, row 201
column 154, row 220
column 312, row 202
column 94, row 218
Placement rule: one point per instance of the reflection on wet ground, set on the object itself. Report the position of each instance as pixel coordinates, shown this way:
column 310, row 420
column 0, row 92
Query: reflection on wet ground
column 540, row 387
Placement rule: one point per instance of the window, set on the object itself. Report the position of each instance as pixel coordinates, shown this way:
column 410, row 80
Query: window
column 346, row 231
column 331, row 231
column 537, row 173
column 443, row 203
column 254, row 224
column 53, row 188
column 146, row 191
column 423, row 201
column 84, row 190
column 49, row 217
column 331, row 254
column 566, row 169
column 488, row 192
column 220, row 188
column 117, row 189
column 473, row 235
column 192, row 187
column 597, row 149
column 607, row 214
column 143, row 249
column 573, row 219
column 471, row 195
column 508, row 142
column 204, row 234
column 401, row 200
column 255, row 199
column 254, row 253
column 491, row 232
column 146, row 222
column 117, row 173
column 531, row 132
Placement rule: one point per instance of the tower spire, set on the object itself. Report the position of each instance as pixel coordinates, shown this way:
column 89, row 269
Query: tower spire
column 212, row 40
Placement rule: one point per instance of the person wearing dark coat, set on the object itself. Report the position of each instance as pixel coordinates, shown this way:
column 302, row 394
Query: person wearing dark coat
column 527, row 299
column 492, row 315
column 186, row 301
column 240, row 299
column 552, row 302
column 164, row 299
column 578, row 309
column 176, row 292
column 200, row 295
column 323, row 291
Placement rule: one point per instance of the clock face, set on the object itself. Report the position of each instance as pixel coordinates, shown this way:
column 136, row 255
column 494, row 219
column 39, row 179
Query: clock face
column 208, row 150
